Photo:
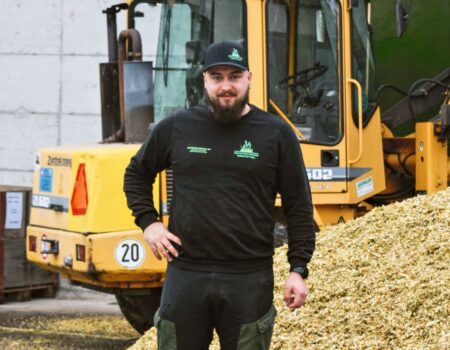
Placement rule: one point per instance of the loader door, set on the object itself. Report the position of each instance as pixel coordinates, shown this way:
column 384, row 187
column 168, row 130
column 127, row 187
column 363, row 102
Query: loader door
column 365, row 161
column 362, row 63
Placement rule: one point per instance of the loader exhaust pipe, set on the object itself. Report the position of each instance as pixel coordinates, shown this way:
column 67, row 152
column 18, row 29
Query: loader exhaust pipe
column 111, row 26
column 133, row 38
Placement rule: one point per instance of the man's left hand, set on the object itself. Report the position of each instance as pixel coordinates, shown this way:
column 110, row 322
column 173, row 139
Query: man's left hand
column 296, row 291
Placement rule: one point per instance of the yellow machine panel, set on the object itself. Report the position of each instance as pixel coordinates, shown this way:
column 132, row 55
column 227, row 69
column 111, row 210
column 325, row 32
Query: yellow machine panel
column 80, row 188
column 107, row 260
column 431, row 160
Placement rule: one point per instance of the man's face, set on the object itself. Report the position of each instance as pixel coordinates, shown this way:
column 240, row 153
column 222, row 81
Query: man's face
column 227, row 90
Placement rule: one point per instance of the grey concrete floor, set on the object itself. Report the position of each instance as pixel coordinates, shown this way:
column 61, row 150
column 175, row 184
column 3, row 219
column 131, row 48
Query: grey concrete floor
column 68, row 300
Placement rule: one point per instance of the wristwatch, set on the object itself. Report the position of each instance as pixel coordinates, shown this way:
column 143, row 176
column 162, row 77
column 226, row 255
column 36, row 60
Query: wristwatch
column 302, row 271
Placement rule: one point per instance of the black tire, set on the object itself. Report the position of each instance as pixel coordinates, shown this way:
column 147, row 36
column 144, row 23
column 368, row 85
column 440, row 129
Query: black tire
column 140, row 309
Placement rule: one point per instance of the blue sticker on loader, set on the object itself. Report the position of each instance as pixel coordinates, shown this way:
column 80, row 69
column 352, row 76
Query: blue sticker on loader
column 45, row 180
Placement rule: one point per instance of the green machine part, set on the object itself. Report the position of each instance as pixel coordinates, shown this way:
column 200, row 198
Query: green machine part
column 421, row 52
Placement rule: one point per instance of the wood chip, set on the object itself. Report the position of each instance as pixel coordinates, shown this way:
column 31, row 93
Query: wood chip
column 377, row 282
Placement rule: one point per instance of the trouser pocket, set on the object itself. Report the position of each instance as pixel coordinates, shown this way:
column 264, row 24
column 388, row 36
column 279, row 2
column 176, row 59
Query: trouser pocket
column 166, row 333
column 258, row 335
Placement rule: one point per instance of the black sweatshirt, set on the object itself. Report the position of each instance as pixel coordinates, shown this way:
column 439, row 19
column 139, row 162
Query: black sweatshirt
column 226, row 177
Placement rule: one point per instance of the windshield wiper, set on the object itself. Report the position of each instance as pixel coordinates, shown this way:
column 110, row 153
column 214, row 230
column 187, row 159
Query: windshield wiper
column 166, row 41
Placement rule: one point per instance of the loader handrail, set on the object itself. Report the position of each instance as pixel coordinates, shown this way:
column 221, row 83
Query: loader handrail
column 286, row 119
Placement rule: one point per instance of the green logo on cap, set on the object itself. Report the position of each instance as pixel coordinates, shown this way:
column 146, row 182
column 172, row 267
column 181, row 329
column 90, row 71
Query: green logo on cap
column 235, row 56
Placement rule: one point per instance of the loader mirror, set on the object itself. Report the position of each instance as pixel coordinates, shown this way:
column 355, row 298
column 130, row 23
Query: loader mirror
column 320, row 27
column 194, row 52
column 401, row 18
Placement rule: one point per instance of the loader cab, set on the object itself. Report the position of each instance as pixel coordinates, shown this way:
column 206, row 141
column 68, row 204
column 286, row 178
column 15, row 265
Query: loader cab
column 312, row 64
column 303, row 55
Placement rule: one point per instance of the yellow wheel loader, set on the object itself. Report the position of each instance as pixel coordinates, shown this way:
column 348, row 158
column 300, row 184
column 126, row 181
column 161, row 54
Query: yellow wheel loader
column 312, row 64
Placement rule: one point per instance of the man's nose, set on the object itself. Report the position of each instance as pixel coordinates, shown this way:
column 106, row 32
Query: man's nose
column 226, row 84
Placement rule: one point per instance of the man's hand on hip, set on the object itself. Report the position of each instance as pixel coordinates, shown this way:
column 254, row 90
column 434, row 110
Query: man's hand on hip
column 296, row 291
column 160, row 241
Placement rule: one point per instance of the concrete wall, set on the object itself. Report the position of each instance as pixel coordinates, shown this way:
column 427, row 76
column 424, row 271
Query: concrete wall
column 49, row 80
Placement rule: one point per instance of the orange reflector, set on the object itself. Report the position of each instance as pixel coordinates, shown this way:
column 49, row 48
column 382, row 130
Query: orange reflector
column 79, row 201
column 81, row 252
column 32, row 243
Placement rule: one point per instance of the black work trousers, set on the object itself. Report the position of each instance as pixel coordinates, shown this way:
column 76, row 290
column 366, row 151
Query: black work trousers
column 194, row 303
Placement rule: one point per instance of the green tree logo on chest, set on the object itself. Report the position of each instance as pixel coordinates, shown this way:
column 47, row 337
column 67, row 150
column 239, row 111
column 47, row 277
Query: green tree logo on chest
column 246, row 151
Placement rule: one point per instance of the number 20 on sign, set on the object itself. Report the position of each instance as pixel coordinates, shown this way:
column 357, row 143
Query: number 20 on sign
column 130, row 253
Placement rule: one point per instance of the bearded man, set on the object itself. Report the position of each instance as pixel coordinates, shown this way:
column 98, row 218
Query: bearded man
column 229, row 160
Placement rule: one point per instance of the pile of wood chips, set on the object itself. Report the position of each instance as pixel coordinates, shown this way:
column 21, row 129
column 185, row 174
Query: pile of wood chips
column 378, row 282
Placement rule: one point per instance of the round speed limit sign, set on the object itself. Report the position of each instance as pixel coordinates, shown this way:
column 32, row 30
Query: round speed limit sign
column 130, row 253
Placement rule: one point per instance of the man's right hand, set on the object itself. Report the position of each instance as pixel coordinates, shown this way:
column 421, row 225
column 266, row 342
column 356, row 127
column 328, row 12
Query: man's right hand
column 160, row 241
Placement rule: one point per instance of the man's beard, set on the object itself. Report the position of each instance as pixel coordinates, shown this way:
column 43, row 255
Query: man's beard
column 227, row 114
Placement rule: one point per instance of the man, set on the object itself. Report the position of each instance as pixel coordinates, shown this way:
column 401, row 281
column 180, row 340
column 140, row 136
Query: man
column 229, row 160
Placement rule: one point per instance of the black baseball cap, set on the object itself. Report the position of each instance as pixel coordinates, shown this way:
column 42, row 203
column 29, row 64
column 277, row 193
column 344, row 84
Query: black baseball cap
column 226, row 53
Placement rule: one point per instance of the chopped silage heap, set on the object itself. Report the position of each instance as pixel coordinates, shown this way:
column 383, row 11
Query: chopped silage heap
column 378, row 282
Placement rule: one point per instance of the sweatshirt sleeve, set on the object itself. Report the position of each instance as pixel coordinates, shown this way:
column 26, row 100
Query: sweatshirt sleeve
column 296, row 200
column 152, row 158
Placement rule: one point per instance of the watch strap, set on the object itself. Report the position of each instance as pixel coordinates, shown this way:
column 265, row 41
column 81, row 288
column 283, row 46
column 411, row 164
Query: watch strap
column 302, row 271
